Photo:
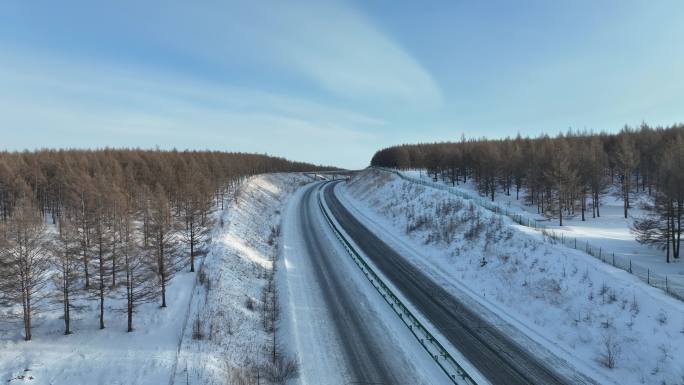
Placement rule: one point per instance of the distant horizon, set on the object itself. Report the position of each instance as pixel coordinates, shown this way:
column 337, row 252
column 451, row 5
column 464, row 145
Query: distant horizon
column 164, row 149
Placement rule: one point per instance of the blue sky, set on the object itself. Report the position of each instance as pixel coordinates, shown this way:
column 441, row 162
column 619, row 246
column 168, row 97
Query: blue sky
column 331, row 81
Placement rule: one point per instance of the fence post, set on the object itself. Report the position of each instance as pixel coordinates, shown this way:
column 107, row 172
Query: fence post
column 575, row 243
column 613, row 259
column 648, row 276
column 666, row 287
column 630, row 266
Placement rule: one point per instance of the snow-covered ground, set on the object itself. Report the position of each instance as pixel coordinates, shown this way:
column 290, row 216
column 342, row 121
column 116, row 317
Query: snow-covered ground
column 94, row 356
column 576, row 306
column 234, row 347
column 239, row 259
column 610, row 232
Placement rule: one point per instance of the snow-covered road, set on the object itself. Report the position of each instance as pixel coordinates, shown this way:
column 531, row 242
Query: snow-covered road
column 342, row 330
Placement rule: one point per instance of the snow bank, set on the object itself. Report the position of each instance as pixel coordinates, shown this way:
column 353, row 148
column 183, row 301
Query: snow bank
column 590, row 313
column 610, row 231
column 226, row 340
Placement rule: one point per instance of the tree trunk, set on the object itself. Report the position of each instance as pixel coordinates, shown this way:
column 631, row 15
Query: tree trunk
column 28, row 315
column 492, row 187
column 130, row 317
column 85, row 262
column 626, row 194
column 129, row 289
column 162, row 270
column 680, row 208
column 676, row 230
column 67, row 316
column 114, row 262
column 86, row 242
column 667, row 235
column 129, row 279
column 102, row 325
column 192, row 245
column 26, row 307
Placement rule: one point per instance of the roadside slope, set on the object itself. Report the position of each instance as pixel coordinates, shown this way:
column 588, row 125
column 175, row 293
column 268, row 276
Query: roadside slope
column 571, row 303
column 229, row 338
column 497, row 357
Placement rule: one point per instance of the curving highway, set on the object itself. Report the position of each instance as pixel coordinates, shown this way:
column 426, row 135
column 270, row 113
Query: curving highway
column 344, row 333
column 342, row 329
column 496, row 356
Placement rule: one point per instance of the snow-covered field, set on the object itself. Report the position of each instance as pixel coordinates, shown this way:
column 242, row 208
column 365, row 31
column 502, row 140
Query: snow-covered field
column 94, row 356
column 235, row 271
column 582, row 310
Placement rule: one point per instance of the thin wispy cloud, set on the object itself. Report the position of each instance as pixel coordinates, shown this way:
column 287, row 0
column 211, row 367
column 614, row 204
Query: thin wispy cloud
column 98, row 106
column 346, row 54
column 330, row 81
column 329, row 44
column 345, row 69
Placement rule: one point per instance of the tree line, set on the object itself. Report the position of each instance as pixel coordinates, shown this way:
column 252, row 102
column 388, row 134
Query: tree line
column 569, row 174
column 106, row 224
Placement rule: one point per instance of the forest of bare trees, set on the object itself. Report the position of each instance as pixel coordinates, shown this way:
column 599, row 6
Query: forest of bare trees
column 569, row 174
column 106, row 224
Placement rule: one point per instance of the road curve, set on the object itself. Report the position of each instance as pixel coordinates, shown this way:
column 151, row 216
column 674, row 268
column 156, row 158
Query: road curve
column 363, row 348
column 497, row 357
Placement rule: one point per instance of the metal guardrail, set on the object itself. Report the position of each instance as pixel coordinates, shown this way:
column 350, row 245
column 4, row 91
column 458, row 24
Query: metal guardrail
column 432, row 346
column 672, row 285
